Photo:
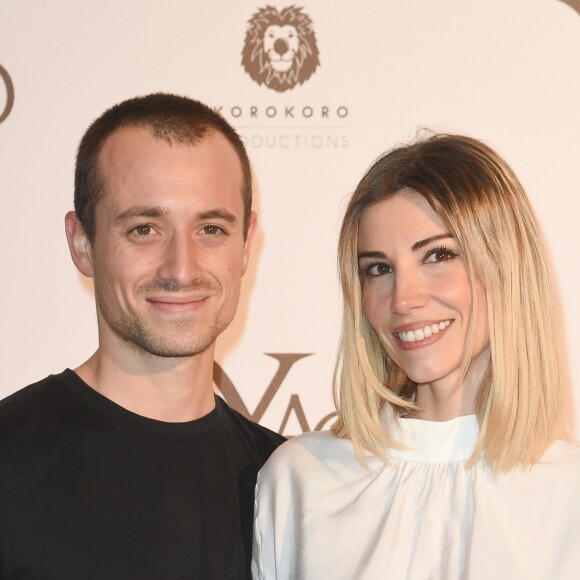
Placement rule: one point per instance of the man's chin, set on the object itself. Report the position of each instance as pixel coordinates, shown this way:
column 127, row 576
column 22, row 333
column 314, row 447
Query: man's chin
column 180, row 342
column 172, row 350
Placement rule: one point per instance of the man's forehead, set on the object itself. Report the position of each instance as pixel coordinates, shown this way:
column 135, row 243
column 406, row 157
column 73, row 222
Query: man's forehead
column 138, row 169
column 129, row 139
column 134, row 144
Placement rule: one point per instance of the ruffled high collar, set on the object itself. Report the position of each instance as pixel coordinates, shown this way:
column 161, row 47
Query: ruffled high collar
column 451, row 440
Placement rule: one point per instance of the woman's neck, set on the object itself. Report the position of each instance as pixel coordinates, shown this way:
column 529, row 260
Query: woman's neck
column 452, row 396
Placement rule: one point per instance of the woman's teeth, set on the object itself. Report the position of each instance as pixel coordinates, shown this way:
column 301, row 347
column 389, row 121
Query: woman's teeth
column 421, row 333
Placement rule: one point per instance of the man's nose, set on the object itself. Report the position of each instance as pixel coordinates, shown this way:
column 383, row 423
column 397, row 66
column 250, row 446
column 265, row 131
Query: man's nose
column 180, row 260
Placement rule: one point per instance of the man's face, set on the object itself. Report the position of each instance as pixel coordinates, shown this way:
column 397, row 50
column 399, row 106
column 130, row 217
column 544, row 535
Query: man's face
column 169, row 250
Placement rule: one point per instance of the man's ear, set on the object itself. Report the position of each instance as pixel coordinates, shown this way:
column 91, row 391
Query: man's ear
column 248, row 242
column 78, row 244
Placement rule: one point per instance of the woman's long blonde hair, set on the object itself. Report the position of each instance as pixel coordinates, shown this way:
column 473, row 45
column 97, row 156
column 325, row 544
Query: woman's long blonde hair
column 478, row 197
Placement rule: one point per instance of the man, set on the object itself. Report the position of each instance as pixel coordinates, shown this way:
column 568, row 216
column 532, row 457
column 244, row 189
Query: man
column 129, row 467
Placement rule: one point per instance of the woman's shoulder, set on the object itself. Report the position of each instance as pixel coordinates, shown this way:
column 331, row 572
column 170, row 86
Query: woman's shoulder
column 312, row 451
column 313, row 445
column 555, row 475
column 562, row 456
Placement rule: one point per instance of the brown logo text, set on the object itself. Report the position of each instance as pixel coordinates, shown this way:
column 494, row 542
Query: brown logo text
column 285, row 363
column 9, row 94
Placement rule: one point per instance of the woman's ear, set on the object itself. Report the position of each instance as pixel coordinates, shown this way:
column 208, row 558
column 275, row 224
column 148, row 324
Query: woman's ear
column 79, row 244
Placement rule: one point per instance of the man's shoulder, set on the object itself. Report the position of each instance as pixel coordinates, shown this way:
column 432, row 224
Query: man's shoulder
column 30, row 402
column 254, row 434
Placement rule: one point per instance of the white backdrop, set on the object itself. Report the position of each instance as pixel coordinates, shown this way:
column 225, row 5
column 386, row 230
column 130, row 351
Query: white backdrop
column 506, row 72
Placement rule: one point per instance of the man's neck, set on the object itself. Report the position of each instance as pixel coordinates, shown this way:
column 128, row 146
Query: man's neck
column 166, row 389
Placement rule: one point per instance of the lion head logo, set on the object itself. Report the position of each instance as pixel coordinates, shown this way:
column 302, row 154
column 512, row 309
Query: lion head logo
column 280, row 49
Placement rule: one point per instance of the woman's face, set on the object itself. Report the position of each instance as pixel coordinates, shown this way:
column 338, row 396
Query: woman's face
column 416, row 289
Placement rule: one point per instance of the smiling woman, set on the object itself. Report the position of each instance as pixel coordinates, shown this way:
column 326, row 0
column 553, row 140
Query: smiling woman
column 450, row 390
column 417, row 296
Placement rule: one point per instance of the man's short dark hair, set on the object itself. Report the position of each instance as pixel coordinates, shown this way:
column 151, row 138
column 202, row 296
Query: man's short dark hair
column 169, row 117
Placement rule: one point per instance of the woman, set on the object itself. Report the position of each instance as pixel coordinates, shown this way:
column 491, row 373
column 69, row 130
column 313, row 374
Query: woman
column 447, row 460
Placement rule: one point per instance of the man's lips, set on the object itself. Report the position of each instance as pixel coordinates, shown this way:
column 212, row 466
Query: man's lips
column 177, row 303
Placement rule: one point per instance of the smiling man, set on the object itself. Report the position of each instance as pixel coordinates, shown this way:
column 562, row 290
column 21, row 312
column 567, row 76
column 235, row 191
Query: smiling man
column 129, row 467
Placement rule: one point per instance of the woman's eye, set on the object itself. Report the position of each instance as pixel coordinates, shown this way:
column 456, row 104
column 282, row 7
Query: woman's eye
column 440, row 255
column 376, row 270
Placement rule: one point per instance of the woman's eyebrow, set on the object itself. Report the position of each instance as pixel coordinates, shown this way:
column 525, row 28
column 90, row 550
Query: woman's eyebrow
column 418, row 245
column 375, row 254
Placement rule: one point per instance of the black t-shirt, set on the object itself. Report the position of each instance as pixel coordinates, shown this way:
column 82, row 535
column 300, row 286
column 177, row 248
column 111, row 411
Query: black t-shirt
column 89, row 490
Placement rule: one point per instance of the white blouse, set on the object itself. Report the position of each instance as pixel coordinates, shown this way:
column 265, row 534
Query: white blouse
column 321, row 516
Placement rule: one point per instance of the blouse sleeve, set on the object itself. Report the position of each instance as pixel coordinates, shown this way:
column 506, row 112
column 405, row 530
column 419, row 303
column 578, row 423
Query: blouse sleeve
column 276, row 517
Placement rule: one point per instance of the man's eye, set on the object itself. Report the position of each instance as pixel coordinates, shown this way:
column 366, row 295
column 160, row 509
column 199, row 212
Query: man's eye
column 379, row 269
column 143, row 230
column 211, row 230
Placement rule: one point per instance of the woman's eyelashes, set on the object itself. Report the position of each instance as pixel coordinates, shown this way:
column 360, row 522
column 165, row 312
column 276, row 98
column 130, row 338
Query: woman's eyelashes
column 375, row 269
column 440, row 254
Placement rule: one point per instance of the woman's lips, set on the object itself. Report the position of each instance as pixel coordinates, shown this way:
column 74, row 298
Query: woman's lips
column 417, row 335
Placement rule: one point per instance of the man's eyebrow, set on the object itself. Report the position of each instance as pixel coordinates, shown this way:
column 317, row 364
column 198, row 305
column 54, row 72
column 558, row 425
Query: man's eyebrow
column 418, row 245
column 220, row 214
column 155, row 212
column 139, row 212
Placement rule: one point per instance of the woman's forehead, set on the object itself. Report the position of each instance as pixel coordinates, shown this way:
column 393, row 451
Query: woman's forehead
column 406, row 213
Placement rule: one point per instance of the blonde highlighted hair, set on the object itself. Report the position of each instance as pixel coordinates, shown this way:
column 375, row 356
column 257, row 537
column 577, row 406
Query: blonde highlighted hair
column 520, row 405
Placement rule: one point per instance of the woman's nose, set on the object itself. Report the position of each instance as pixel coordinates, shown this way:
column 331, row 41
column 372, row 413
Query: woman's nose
column 408, row 293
